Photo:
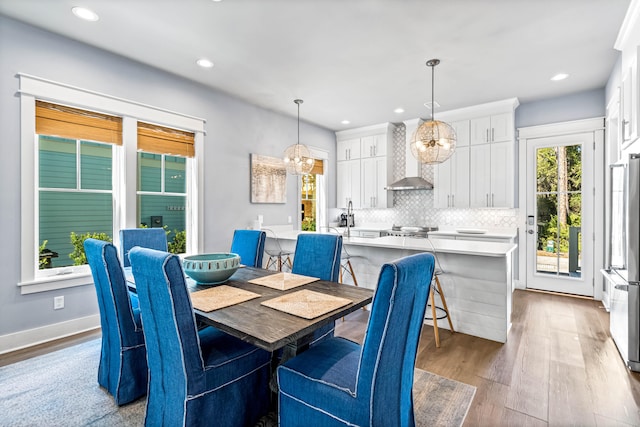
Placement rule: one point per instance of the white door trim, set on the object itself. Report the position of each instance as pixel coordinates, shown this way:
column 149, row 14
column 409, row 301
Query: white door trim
column 595, row 125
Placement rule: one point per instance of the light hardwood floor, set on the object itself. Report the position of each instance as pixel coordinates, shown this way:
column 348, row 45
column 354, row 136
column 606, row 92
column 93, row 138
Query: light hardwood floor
column 558, row 368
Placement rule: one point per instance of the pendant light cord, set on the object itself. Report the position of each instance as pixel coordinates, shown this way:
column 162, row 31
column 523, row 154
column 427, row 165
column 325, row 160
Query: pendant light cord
column 432, row 94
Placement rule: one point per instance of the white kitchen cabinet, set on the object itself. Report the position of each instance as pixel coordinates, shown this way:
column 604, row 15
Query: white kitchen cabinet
column 491, row 175
column 451, row 181
column 373, row 146
column 629, row 113
column 348, row 149
column 463, row 132
column 368, row 147
column 374, row 181
column 494, row 128
column 348, row 184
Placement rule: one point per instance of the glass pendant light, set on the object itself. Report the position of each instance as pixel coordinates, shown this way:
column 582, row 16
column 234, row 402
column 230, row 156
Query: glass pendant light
column 297, row 158
column 434, row 141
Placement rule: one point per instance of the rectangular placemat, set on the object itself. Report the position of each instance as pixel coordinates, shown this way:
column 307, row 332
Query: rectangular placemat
column 283, row 281
column 220, row 297
column 306, row 304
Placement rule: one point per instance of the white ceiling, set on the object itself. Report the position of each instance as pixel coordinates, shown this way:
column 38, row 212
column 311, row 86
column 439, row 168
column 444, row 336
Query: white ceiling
column 355, row 59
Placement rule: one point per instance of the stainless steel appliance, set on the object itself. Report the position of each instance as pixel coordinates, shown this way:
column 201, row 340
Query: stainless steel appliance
column 406, row 231
column 623, row 273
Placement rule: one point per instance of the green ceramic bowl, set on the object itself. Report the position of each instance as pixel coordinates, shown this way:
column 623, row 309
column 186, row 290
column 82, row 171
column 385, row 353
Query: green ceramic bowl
column 211, row 268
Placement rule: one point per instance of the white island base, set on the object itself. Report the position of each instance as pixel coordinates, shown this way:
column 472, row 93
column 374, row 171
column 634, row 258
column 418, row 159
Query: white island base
column 477, row 280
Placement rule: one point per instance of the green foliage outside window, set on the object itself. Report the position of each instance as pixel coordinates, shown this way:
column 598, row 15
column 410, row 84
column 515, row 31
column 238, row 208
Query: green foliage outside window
column 559, row 198
column 77, row 240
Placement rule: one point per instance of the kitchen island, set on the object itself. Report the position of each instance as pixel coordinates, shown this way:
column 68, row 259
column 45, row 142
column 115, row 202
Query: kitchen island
column 477, row 279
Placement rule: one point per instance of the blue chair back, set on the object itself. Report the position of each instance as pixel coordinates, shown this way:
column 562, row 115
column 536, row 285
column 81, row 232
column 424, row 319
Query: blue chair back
column 152, row 238
column 318, row 255
column 338, row 382
column 123, row 364
column 249, row 244
column 196, row 377
column 391, row 341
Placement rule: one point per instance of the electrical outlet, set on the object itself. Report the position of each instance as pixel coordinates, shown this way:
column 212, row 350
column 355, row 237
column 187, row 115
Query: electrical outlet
column 58, row 302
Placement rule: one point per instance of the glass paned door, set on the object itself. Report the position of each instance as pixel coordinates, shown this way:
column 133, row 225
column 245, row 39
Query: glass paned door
column 560, row 200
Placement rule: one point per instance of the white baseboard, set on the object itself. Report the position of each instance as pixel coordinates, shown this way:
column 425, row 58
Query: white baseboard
column 519, row 285
column 31, row 337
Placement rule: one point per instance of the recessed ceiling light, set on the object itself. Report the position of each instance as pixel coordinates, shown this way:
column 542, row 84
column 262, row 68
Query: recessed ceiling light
column 398, row 110
column 559, row 76
column 216, row 1
column 204, row 63
column 84, row 13
column 435, row 105
column 345, row 122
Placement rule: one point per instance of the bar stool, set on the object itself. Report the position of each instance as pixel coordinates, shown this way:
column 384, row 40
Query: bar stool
column 277, row 256
column 345, row 260
column 433, row 290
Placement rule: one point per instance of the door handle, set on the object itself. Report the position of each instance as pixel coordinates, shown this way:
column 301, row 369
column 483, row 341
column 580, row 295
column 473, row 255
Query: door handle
column 453, row 200
column 622, row 287
column 530, row 231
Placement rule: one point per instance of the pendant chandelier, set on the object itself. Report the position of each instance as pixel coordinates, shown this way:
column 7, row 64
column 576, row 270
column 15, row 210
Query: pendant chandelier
column 297, row 157
column 434, row 141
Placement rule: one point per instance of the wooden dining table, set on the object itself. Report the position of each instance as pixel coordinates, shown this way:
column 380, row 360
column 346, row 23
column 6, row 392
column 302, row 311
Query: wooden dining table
column 266, row 327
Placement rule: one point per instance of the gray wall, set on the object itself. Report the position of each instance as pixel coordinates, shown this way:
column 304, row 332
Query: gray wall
column 577, row 106
column 234, row 130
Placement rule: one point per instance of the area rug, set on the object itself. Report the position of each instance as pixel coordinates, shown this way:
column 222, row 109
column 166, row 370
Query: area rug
column 61, row 389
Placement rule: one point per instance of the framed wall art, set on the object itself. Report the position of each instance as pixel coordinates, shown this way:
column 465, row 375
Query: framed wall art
column 268, row 179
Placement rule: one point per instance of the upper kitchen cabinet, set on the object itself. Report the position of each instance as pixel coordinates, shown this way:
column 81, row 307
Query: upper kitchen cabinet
column 373, row 164
column 482, row 174
column 628, row 42
column 494, row 128
column 451, row 178
column 348, row 149
column 374, row 146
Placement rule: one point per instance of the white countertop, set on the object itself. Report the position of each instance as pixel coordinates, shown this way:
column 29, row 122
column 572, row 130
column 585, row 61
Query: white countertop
column 495, row 233
column 464, row 247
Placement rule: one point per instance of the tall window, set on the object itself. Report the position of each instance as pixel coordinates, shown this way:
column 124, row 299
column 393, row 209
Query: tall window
column 162, row 180
column 75, row 190
column 310, row 197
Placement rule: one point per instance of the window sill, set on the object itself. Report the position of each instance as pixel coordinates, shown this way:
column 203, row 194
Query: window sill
column 57, row 281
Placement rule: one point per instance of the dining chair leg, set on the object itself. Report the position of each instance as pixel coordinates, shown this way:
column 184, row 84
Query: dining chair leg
column 434, row 316
column 279, row 262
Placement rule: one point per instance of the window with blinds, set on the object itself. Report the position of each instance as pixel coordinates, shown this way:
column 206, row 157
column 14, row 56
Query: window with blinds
column 75, row 190
column 163, row 140
column 162, row 178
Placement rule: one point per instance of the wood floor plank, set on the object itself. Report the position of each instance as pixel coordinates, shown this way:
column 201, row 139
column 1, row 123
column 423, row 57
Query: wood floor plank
column 529, row 391
column 569, row 398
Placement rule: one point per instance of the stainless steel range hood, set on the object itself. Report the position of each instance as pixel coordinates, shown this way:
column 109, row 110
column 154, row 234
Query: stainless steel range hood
column 410, row 183
column 412, row 180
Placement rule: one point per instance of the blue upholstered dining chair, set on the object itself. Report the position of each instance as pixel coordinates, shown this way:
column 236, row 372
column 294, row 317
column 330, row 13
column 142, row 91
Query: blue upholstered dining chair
column 318, row 255
column 152, row 238
column 338, row 382
column 249, row 244
column 123, row 360
column 196, row 377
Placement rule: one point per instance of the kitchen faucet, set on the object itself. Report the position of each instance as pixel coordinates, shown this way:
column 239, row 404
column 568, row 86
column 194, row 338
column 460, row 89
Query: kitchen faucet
column 349, row 216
